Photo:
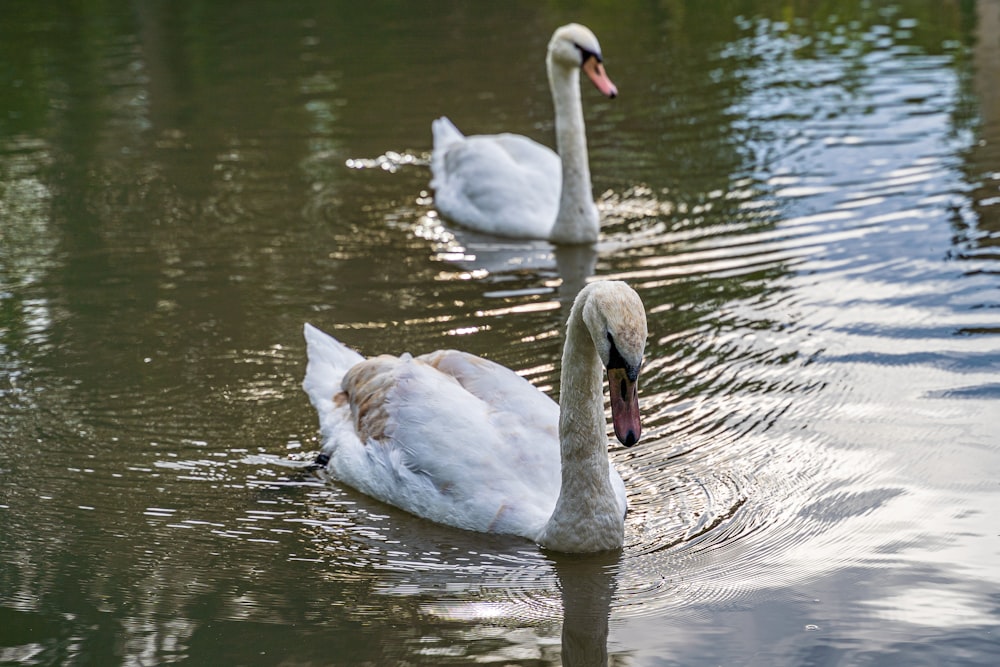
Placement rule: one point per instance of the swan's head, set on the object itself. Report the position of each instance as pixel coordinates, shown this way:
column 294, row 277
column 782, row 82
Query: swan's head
column 616, row 319
column 575, row 45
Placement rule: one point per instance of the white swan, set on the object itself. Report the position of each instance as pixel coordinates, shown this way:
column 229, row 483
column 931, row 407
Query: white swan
column 466, row 442
column 509, row 185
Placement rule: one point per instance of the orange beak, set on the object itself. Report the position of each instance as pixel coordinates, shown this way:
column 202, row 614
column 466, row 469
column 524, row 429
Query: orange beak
column 595, row 70
column 625, row 406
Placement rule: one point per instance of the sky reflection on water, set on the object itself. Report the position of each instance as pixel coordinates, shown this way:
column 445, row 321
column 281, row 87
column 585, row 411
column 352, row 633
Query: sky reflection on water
column 805, row 200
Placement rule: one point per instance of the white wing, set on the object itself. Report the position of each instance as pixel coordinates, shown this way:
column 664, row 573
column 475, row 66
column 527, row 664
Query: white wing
column 502, row 184
column 448, row 436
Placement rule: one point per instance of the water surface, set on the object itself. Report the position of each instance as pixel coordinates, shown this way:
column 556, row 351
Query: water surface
column 806, row 200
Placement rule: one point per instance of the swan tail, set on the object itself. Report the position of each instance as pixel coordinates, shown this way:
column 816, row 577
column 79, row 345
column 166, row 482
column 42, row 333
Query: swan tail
column 445, row 135
column 329, row 360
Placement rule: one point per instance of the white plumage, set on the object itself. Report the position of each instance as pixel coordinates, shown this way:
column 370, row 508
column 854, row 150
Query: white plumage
column 463, row 441
column 509, row 185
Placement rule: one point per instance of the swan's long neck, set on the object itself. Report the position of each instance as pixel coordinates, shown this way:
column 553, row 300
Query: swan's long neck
column 577, row 219
column 587, row 516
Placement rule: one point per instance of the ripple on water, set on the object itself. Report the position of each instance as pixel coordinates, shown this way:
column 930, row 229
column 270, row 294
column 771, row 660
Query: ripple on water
column 763, row 291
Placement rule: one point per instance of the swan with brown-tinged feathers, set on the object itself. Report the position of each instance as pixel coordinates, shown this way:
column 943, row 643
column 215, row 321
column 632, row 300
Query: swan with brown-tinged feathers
column 463, row 441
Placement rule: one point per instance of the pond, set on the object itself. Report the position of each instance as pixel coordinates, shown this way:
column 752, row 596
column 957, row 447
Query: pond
column 805, row 195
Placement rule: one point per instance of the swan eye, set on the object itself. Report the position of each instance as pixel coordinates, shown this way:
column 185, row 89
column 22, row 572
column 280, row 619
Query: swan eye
column 615, row 358
column 584, row 54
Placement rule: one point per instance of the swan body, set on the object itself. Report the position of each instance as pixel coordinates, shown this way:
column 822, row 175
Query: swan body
column 509, row 185
column 463, row 441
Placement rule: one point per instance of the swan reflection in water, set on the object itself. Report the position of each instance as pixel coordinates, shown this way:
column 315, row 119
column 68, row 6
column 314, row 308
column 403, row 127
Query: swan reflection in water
column 494, row 260
column 587, row 584
column 580, row 599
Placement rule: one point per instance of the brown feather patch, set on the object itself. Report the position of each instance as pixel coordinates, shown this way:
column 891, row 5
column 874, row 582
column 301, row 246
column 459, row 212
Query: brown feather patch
column 367, row 385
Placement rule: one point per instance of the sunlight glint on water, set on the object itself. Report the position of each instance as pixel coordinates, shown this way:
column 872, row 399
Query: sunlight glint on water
column 806, row 203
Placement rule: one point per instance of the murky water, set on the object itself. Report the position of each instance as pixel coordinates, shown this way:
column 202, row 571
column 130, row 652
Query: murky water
column 807, row 202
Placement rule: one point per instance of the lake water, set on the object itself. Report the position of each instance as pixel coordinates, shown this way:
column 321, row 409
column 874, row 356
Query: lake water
column 807, row 198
